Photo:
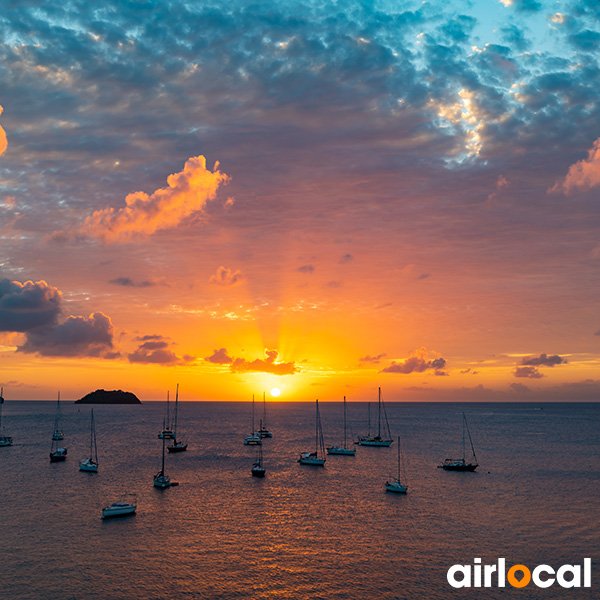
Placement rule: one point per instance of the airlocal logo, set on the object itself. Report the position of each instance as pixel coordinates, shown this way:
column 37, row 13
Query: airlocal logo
column 543, row 576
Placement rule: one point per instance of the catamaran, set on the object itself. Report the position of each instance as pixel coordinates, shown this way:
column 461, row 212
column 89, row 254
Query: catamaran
column 91, row 464
column 316, row 458
column 254, row 438
column 460, row 464
column 177, row 446
column 342, row 450
column 393, row 484
column 377, row 440
column 5, row 440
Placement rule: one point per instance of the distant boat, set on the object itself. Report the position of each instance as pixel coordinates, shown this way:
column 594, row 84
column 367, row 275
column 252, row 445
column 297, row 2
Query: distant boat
column 177, row 446
column 254, row 438
column 377, row 440
column 58, row 434
column 57, row 454
column 91, row 464
column 5, row 440
column 263, row 432
column 394, row 484
column 316, row 458
column 342, row 450
column 167, row 432
column 118, row 509
column 460, row 464
column 258, row 469
column 160, row 479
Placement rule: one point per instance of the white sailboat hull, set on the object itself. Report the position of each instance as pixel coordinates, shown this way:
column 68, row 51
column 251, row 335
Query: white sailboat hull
column 162, row 481
column 253, row 440
column 374, row 442
column 341, row 451
column 6, row 440
column 89, row 465
column 118, row 509
column 309, row 458
column 396, row 486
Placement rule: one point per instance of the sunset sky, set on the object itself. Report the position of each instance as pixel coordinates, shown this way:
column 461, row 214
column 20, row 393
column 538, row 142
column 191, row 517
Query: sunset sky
column 323, row 197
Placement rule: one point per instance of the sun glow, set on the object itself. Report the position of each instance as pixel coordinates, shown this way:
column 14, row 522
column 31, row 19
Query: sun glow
column 275, row 392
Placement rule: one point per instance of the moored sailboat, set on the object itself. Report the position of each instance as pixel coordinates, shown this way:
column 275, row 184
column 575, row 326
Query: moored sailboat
column 461, row 464
column 167, row 432
column 5, row 440
column 258, row 469
column 254, row 438
column 377, row 440
column 263, row 431
column 177, row 446
column 58, row 434
column 345, row 451
column 160, row 479
column 91, row 464
column 316, row 458
column 393, row 484
column 57, row 453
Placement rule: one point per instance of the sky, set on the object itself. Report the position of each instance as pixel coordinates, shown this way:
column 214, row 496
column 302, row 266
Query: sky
column 320, row 197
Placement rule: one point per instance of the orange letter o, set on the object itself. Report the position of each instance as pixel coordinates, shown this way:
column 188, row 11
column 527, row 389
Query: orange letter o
column 514, row 581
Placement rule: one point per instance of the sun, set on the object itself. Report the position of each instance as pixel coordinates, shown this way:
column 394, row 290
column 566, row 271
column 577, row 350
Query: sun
column 275, row 392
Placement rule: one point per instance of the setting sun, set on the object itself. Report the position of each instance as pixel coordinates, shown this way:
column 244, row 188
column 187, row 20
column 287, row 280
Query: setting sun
column 275, row 392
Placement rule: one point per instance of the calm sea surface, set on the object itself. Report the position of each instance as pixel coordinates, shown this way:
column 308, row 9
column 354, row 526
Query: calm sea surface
column 302, row 532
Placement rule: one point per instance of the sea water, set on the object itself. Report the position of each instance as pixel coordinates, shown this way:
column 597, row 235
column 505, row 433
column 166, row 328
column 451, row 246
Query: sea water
column 301, row 532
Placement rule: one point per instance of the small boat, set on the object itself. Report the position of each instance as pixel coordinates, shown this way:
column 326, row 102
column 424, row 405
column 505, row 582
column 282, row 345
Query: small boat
column 460, row 464
column 160, row 479
column 263, row 432
column 57, row 453
column 377, row 440
column 167, row 432
column 58, row 434
column 345, row 451
column 118, row 509
column 316, row 458
column 5, row 440
column 258, row 469
column 254, row 438
column 393, row 484
column 91, row 464
column 177, row 446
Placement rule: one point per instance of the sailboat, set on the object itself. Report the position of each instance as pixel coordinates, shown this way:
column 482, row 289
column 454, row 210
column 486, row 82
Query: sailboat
column 394, row 484
column 316, row 458
column 58, row 434
column 377, row 440
column 5, row 440
column 166, row 432
column 345, row 450
column 160, row 479
column 177, row 446
column 91, row 464
column 258, row 470
column 57, row 453
column 263, row 432
column 254, row 438
column 460, row 464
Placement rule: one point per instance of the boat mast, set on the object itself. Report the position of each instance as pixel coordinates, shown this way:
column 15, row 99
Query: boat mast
column 168, row 420
column 176, row 403
column 317, row 429
column 57, row 419
column 464, row 436
column 264, row 423
column 95, row 443
column 379, row 416
column 369, row 410
column 1, row 403
column 470, row 440
column 253, row 413
column 345, row 446
column 162, row 468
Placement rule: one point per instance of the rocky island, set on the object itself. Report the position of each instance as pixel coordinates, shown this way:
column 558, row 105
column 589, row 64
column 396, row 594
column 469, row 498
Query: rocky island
column 109, row 397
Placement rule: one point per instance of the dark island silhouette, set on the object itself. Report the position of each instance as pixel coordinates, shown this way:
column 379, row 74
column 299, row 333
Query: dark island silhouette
column 109, row 397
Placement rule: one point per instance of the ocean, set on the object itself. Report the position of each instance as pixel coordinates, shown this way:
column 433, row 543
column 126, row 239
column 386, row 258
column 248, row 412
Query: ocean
column 301, row 532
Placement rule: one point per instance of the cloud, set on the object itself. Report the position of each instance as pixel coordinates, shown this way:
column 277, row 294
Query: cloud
column 347, row 258
column 225, row 277
column 543, row 360
column 583, row 175
column 156, row 351
column 219, row 357
column 76, row 336
column 188, row 192
column 25, row 306
column 306, row 269
column 372, row 359
column 3, row 141
column 128, row 282
column 527, row 372
column 267, row 365
column 416, row 363
column 519, row 388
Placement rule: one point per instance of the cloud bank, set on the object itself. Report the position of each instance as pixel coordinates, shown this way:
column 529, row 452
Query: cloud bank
column 418, row 362
column 270, row 364
column 583, row 175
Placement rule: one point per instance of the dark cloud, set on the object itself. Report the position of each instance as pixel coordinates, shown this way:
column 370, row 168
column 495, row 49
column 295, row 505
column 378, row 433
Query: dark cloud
column 128, row 282
column 372, row 359
column 417, row 363
column 527, row 372
column 306, row 269
column 157, row 351
column 219, row 357
column 76, row 336
column 543, row 360
column 347, row 258
column 225, row 277
column 267, row 365
column 519, row 388
column 26, row 306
